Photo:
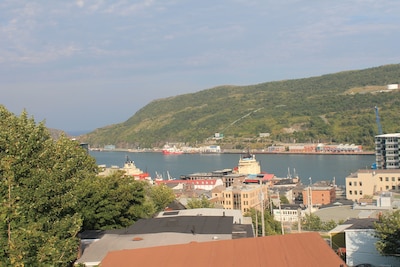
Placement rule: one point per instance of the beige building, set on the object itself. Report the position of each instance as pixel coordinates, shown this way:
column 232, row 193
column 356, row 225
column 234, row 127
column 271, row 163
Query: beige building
column 371, row 182
column 241, row 196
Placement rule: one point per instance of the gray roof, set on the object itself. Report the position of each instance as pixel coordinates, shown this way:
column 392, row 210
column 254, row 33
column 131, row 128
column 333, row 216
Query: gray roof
column 161, row 231
column 97, row 250
column 242, row 231
column 292, row 206
column 236, row 214
column 183, row 224
column 366, row 223
column 170, row 227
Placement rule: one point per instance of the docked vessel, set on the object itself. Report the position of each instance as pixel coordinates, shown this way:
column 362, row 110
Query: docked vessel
column 129, row 169
column 171, row 150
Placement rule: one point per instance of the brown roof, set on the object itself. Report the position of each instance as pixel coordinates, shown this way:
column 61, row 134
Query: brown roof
column 304, row 249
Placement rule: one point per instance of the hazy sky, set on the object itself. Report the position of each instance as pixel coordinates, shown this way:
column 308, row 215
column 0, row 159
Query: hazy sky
column 81, row 65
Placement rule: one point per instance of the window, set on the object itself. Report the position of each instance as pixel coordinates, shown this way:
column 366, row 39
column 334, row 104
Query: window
column 350, row 192
column 355, row 192
column 360, row 183
column 387, row 179
column 393, row 187
column 393, row 179
column 387, row 187
column 361, row 193
column 355, row 183
column 350, row 183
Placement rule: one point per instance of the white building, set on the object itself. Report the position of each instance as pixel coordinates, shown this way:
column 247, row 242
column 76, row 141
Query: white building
column 387, row 151
column 289, row 213
column 357, row 235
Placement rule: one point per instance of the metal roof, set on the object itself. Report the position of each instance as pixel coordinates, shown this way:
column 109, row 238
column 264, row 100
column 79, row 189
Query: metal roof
column 303, row 249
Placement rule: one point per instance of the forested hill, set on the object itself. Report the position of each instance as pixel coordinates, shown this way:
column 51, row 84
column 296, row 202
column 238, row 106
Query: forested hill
column 336, row 108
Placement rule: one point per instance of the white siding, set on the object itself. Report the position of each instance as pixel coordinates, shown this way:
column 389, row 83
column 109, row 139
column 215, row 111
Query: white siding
column 360, row 248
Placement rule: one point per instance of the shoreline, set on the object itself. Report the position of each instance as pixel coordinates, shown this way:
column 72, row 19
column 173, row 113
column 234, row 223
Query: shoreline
column 238, row 151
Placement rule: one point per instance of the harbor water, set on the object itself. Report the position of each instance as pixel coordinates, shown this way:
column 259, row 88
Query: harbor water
column 318, row 167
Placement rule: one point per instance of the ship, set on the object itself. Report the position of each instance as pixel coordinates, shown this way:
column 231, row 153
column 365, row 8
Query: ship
column 171, row 150
column 129, row 169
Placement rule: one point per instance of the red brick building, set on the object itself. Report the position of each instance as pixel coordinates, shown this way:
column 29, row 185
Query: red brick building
column 320, row 195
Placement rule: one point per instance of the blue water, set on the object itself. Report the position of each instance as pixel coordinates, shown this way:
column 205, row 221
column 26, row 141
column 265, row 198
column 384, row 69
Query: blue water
column 318, row 167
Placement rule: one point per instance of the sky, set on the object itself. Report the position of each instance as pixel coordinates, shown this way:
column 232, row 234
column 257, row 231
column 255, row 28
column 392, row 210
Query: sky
column 79, row 65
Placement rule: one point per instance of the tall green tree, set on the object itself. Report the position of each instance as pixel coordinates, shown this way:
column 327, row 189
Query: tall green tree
column 112, row 202
column 39, row 178
column 387, row 230
column 271, row 226
column 197, row 203
column 312, row 222
column 161, row 195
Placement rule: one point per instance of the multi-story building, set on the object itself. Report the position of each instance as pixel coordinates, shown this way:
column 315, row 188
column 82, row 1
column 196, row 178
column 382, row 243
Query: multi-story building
column 387, row 151
column 289, row 213
column 319, row 195
column 241, row 196
column 371, row 182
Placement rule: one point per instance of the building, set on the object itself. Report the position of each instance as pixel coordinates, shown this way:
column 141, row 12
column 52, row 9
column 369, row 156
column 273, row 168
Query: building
column 341, row 148
column 303, row 249
column 355, row 238
column 241, row 196
column 210, row 149
column 276, row 149
column 169, row 228
column 318, row 195
column 393, row 86
column 387, row 151
column 289, row 213
column 369, row 182
column 305, row 148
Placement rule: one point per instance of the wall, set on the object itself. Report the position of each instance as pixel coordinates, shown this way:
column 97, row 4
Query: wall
column 360, row 248
column 369, row 182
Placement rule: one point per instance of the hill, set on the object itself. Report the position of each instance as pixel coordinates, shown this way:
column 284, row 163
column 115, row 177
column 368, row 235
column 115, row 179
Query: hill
column 332, row 108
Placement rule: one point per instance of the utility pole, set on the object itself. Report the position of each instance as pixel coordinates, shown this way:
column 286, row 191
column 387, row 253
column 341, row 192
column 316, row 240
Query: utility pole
column 262, row 213
column 310, row 196
column 256, row 223
column 299, row 220
column 280, row 212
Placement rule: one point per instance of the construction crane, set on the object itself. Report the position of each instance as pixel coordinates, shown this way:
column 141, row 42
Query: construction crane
column 378, row 121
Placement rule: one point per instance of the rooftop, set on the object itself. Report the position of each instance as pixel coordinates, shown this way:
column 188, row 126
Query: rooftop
column 170, row 228
column 303, row 249
column 236, row 214
column 389, row 135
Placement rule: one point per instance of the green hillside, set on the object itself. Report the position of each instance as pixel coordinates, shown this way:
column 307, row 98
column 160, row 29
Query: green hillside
column 333, row 108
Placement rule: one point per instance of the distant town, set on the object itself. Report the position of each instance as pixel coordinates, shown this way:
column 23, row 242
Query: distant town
column 178, row 148
column 343, row 216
